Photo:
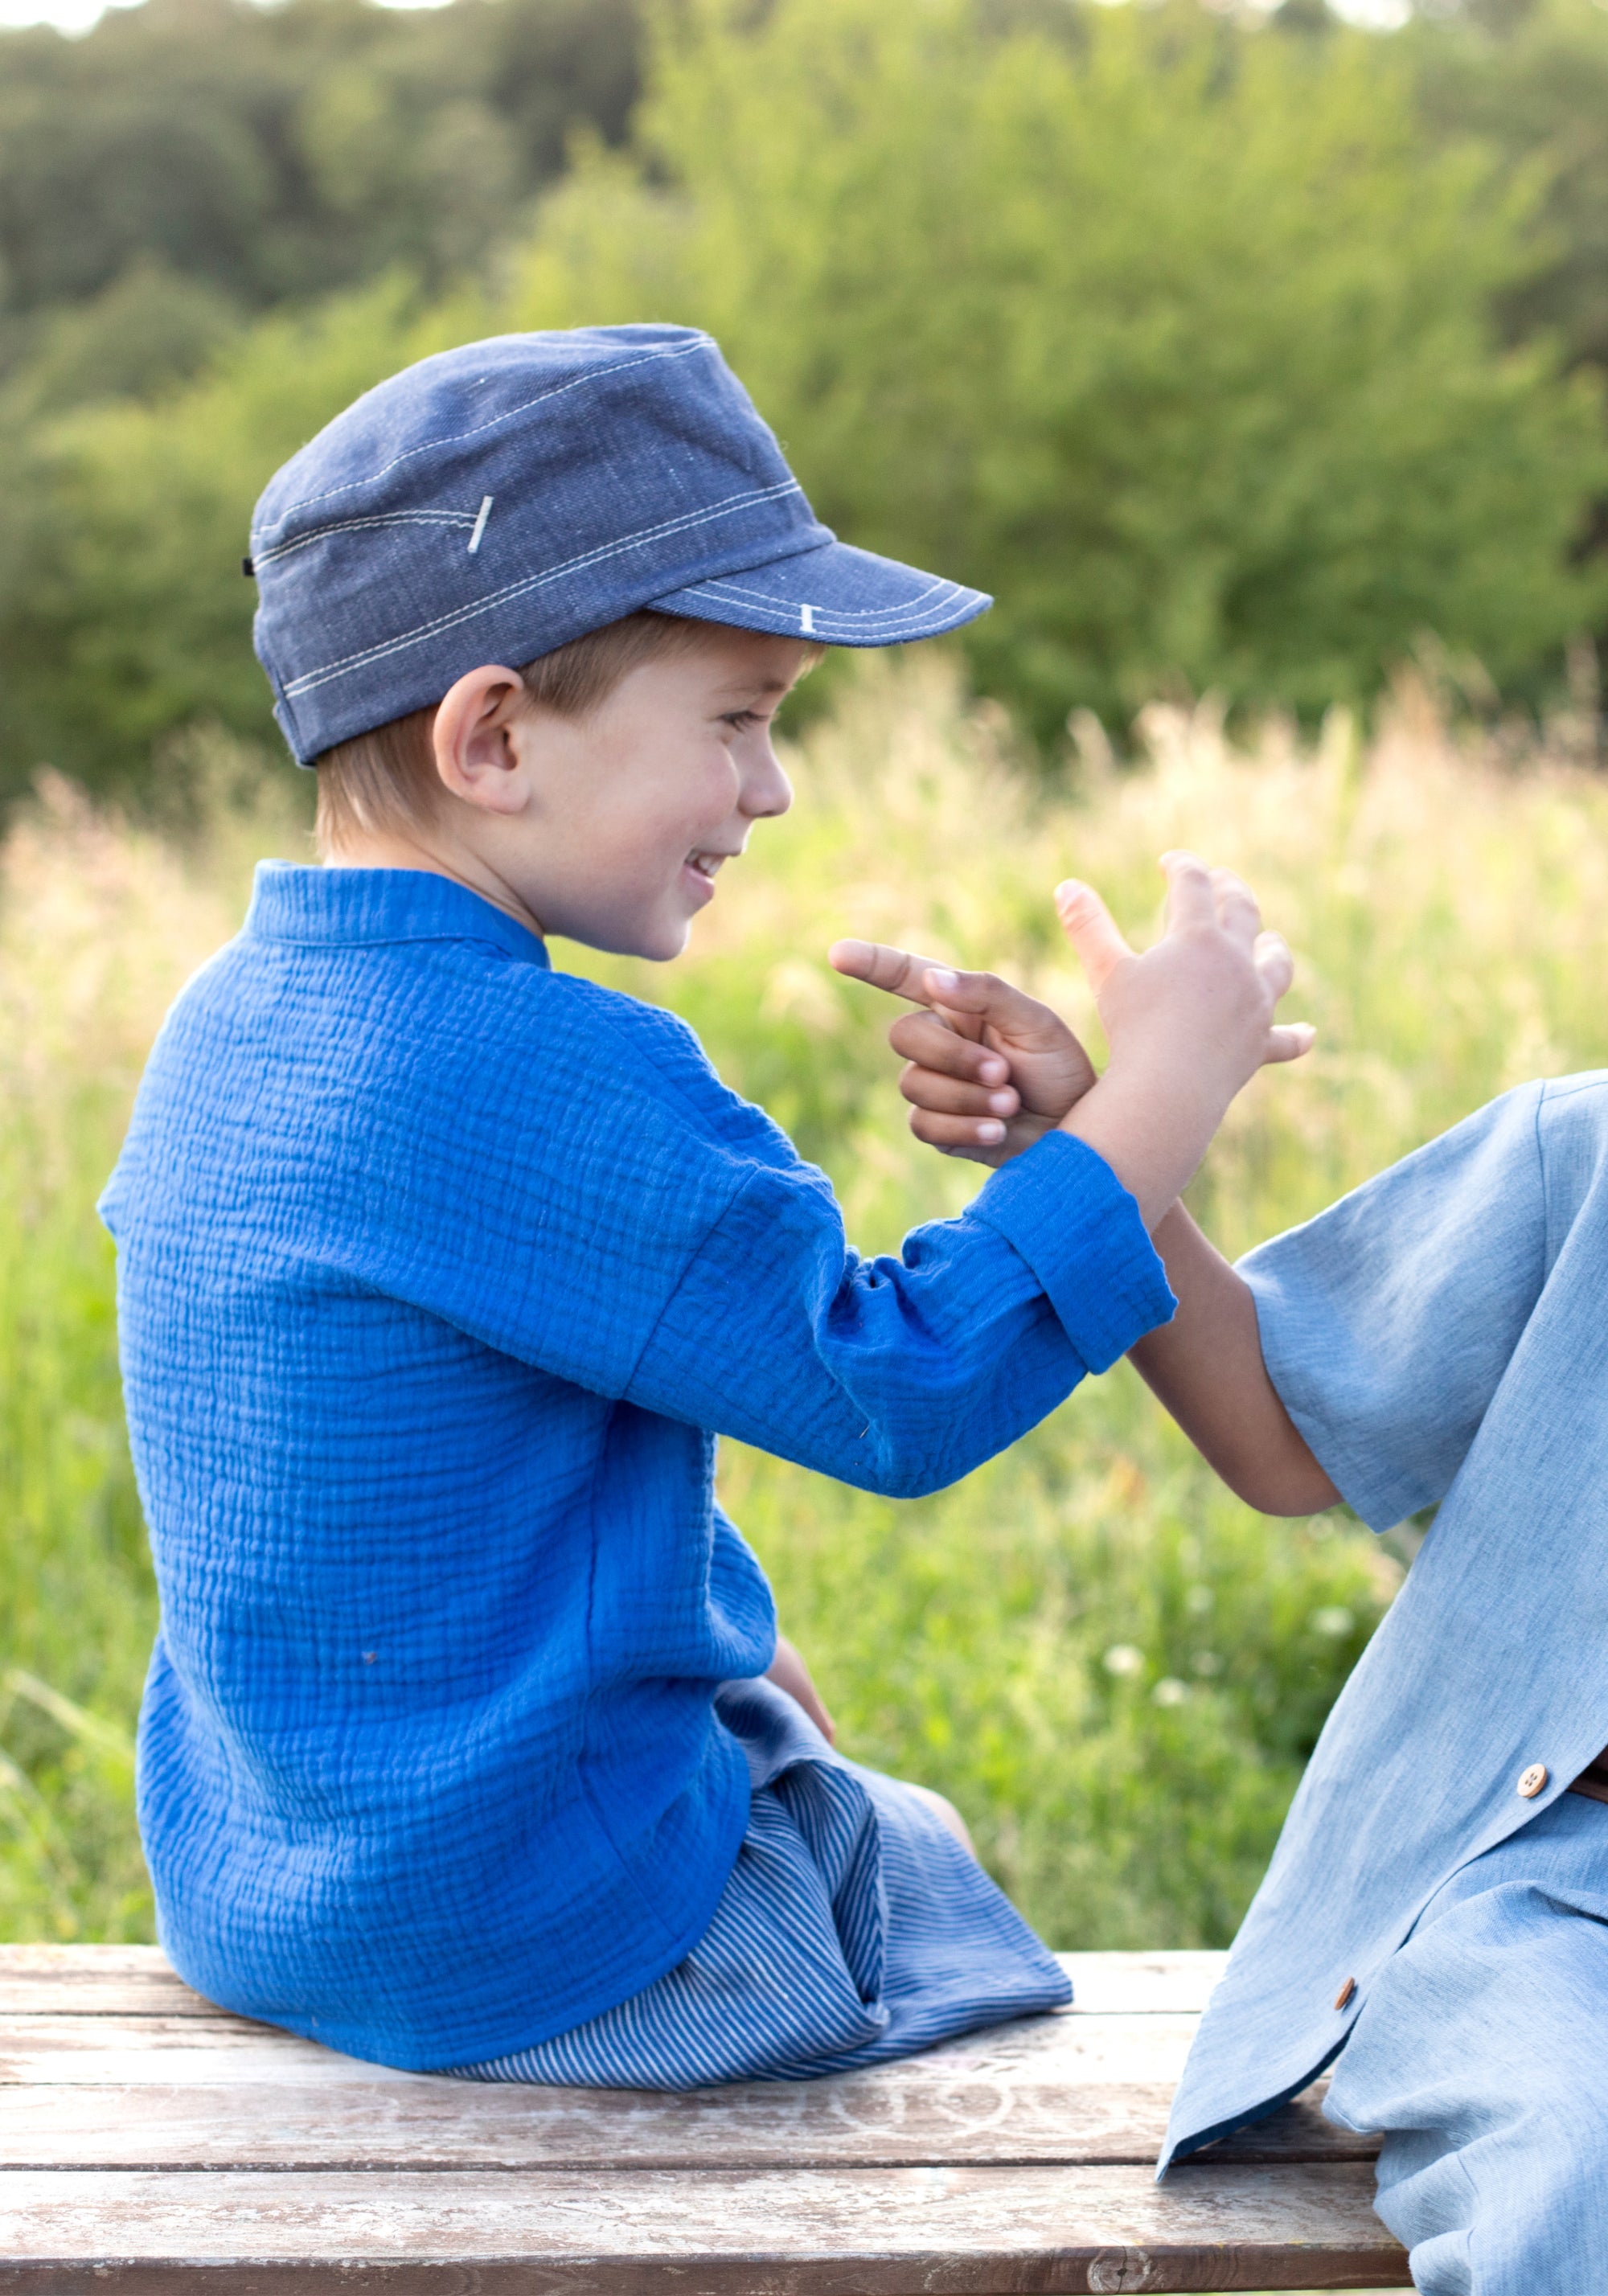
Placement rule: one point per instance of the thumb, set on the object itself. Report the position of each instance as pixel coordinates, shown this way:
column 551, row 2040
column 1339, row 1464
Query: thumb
column 1092, row 929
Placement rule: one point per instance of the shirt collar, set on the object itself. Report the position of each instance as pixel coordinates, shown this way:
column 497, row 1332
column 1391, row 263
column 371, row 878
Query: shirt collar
column 340, row 907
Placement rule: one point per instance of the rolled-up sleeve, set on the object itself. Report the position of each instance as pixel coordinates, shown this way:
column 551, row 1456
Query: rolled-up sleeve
column 902, row 1374
column 1387, row 1322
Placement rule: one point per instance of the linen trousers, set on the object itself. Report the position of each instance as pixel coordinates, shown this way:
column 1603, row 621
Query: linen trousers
column 1481, row 2053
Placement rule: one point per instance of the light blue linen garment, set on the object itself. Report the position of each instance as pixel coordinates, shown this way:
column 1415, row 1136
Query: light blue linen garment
column 1440, row 1337
column 1480, row 2052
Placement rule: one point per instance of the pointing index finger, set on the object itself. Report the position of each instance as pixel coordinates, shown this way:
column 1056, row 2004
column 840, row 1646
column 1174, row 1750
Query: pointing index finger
column 895, row 969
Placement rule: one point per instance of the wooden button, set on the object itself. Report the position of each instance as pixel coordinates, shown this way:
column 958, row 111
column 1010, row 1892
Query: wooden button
column 1532, row 1780
column 1345, row 1993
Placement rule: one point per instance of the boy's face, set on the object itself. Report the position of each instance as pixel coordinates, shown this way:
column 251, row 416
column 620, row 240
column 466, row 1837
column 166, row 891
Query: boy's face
column 621, row 819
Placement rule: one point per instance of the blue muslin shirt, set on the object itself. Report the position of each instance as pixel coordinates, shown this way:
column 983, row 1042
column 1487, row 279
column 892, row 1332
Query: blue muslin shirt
column 1440, row 1338
column 438, row 1274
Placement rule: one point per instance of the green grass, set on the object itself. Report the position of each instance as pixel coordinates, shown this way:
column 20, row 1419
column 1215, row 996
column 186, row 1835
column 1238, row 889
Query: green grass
column 1114, row 1668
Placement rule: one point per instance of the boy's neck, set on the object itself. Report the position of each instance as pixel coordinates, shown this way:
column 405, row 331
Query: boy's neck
column 472, row 871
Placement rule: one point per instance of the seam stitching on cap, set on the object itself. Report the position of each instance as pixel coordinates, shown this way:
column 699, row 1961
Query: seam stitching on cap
column 827, row 620
column 457, row 438
column 836, row 613
column 348, row 662
column 276, row 550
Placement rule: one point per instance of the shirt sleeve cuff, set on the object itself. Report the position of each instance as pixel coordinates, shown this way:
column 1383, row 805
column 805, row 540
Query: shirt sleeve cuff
column 1063, row 1209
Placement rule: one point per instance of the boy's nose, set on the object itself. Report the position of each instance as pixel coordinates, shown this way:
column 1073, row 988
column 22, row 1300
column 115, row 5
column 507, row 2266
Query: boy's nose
column 766, row 790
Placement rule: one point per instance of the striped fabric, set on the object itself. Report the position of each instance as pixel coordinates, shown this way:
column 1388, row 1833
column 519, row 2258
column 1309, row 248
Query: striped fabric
column 854, row 1928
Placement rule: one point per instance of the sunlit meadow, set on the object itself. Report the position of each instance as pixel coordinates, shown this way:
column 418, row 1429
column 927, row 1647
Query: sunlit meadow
column 1113, row 1667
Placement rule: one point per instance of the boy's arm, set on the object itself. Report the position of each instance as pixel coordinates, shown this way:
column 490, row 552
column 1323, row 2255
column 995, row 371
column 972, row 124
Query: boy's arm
column 990, row 1069
column 1206, row 1368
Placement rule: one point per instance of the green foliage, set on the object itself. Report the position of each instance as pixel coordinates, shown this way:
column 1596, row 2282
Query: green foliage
column 1173, row 335
column 1530, row 78
column 280, row 151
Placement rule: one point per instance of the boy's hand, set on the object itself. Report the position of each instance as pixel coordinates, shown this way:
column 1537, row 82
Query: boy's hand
column 1189, row 1024
column 989, row 1069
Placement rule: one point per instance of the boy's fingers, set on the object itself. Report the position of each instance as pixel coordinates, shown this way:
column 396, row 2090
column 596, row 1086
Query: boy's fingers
column 963, row 1132
column 1289, row 1040
column 930, row 1043
column 1238, row 912
column 925, row 980
column 1274, row 962
column 895, row 969
column 949, row 1096
column 1191, row 897
column 1092, row 929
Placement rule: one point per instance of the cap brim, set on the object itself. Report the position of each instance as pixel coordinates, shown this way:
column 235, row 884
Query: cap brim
column 834, row 593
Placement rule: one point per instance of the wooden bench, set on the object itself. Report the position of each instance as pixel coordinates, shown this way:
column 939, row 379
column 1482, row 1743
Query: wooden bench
column 148, row 2142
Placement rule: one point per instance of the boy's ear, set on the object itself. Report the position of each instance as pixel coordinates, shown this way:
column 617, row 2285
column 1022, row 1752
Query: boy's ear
column 474, row 757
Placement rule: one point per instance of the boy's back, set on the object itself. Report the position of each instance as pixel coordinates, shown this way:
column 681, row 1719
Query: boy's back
column 432, row 1277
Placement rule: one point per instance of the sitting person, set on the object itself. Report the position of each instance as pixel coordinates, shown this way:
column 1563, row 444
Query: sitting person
column 467, row 1743
column 1436, row 1914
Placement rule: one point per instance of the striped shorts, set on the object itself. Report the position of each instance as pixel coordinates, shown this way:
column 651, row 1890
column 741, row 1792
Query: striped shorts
column 854, row 1928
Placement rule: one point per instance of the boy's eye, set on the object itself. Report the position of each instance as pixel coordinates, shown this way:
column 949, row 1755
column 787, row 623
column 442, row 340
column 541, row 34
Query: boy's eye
column 740, row 721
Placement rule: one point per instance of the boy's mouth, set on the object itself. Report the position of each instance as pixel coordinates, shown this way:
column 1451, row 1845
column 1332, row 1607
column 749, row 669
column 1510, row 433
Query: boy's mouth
column 706, row 864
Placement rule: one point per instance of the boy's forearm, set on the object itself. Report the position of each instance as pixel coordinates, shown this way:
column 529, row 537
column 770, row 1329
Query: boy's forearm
column 1206, row 1368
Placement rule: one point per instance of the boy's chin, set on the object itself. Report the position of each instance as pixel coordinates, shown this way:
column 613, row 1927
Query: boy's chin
column 656, row 940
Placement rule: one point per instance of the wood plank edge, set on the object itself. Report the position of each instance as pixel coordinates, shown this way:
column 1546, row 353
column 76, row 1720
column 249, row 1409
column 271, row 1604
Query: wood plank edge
column 1155, row 2269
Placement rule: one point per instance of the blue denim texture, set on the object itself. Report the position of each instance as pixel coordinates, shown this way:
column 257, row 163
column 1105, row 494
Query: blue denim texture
column 1440, row 1338
column 496, row 501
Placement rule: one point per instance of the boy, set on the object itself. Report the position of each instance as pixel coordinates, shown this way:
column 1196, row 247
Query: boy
column 1436, row 1914
column 439, row 1273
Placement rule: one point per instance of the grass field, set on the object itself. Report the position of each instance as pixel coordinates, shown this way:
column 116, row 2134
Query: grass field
column 1114, row 1668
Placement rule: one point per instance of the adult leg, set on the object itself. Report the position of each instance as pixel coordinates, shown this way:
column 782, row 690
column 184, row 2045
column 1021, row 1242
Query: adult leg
column 1481, row 2052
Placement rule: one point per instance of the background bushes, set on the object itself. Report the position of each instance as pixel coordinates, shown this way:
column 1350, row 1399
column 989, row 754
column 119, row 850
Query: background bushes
column 1232, row 355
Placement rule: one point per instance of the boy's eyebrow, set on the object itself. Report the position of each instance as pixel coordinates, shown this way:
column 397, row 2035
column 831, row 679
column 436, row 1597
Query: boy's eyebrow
column 761, row 685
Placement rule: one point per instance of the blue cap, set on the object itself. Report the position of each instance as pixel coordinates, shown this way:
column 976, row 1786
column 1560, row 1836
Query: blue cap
column 497, row 501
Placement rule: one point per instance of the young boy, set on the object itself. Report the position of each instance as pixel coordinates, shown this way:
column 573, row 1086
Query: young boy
column 1436, row 1914
column 439, row 1272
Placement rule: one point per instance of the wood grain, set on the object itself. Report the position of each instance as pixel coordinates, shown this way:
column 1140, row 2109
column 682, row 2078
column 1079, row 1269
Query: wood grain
column 119, row 1979
column 891, row 2232
column 1038, row 2052
column 353, row 2128
column 148, row 2138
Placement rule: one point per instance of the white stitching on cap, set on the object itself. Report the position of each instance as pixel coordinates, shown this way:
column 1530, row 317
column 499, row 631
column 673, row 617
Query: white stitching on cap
column 321, row 676
column 352, row 525
column 807, row 620
column 457, row 438
column 828, row 624
column 742, row 591
column 480, row 517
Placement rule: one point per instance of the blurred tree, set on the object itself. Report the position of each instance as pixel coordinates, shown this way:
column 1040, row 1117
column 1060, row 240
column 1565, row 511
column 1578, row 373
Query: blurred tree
column 1531, row 77
column 274, row 151
column 1171, row 332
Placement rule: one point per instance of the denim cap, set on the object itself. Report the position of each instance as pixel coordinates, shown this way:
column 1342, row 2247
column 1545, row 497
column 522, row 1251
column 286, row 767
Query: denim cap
column 498, row 500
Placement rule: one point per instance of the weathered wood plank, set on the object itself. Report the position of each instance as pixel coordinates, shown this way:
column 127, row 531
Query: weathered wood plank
column 122, row 1979
column 88, row 1979
column 900, row 2231
column 444, row 2126
column 1038, row 2052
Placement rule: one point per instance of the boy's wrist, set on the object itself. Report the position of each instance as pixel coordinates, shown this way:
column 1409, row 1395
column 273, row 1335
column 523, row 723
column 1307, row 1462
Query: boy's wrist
column 1152, row 1124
